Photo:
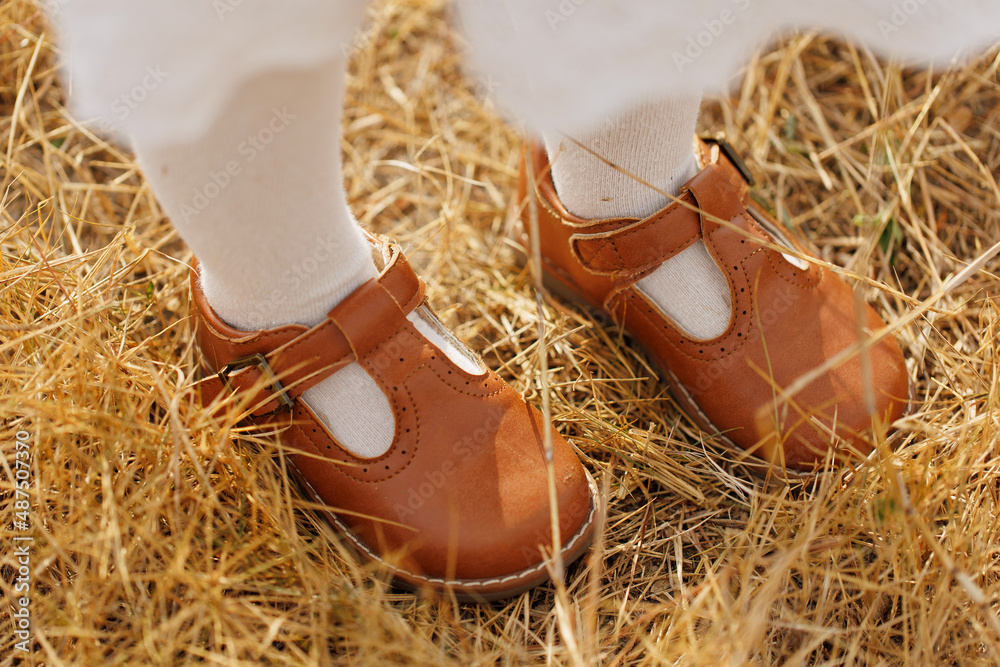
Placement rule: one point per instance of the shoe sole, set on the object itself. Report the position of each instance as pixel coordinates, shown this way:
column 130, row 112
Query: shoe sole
column 463, row 590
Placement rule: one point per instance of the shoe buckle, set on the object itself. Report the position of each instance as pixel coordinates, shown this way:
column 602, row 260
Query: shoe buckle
column 731, row 155
column 272, row 383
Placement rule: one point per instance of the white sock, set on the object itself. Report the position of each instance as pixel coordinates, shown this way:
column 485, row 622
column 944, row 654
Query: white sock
column 260, row 201
column 653, row 142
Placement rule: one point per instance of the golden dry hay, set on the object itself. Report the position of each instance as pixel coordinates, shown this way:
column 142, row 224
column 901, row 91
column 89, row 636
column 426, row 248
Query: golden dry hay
column 161, row 538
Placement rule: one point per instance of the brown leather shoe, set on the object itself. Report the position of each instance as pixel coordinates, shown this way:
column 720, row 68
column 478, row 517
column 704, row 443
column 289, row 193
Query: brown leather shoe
column 786, row 321
column 460, row 501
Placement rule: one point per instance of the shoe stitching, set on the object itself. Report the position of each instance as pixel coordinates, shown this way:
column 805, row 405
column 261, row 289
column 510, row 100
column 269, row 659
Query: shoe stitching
column 394, row 404
column 459, row 583
column 636, row 273
column 308, row 335
column 304, row 338
column 343, row 467
column 806, row 276
column 317, row 453
column 413, row 331
column 648, row 310
column 685, row 243
column 618, row 255
column 258, row 336
column 689, row 405
column 419, row 296
column 589, row 224
column 613, row 238
column 622, row 286
column 349, row 456
column 407, row 329
column 806, row 282
column 416, row 426
column 311, row 419
column 591, row 252
column 639, row 228
column 692, row 405
column 811, row 284
column 490, row 377
column 223, row 340
column 675, row 383
column 622, row 292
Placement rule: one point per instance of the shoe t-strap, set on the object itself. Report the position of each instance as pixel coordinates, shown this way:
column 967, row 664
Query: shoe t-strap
column 630, row 249
column 270, row 381
column 630, row 253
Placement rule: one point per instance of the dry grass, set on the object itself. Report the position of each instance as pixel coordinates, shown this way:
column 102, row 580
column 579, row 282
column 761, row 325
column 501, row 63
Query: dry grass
column 160, row 539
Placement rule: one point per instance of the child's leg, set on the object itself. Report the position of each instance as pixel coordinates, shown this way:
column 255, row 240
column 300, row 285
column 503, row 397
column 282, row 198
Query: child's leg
column 240, row 138
column 260, row 201
column 651, row 141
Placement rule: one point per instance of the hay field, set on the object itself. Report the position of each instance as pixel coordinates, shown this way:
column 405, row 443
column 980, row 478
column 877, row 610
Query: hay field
column 161, row 537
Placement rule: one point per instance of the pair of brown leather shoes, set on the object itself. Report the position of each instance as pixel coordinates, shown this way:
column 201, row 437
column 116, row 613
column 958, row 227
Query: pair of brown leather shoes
column 461, row 500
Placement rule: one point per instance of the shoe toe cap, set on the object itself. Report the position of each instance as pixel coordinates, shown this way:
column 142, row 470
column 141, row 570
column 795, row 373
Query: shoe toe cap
column 489, row 517
column 856, row 404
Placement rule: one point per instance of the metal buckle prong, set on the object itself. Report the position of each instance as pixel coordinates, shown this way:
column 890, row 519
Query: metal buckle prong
column 271, row 381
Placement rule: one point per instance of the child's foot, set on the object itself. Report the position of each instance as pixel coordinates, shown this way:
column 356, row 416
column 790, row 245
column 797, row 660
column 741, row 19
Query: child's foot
column 785, row 377
column 459, row 500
